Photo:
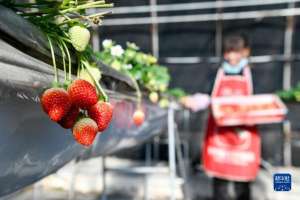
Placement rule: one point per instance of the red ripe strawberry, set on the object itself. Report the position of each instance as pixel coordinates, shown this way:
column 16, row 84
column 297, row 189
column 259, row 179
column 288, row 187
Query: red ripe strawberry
column 102, row 113
column 82, row 93
column 85, row 131
column 56, row 103
column 69, row 120
column 138, row 117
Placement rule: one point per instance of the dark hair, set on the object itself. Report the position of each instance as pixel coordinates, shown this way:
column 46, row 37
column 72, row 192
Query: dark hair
column 234, row 43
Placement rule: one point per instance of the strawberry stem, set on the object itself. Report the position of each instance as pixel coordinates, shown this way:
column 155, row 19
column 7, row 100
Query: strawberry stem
column 66, row 38
column 79, row 67
column 101, row 14
column 97, row 4
column 98, row 86
column 87, row 18
column 64, row 59
column 53, row 60
column 69, row 59
column 138, row 91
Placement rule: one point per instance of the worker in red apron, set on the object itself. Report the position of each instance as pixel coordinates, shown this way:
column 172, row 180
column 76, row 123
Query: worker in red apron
column 231, row 155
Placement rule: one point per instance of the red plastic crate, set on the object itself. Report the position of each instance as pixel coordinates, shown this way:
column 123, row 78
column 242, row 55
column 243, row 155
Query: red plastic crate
column 248, row 110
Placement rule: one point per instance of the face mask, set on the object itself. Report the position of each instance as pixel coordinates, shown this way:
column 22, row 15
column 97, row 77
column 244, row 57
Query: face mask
column 229, row 69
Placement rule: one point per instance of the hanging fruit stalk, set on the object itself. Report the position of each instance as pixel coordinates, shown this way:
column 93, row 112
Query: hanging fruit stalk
column 55, row 100
column 138, row 115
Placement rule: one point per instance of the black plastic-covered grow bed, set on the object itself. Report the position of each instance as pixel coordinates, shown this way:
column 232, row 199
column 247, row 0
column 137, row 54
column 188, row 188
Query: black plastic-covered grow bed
column 32, row 146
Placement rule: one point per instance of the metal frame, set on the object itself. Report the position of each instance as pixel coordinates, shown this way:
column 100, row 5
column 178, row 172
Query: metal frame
column 287, row 145
column 204, row 17
column 171, row 145
column 197, row 6
column 217, row 59
column 154, row 29
column 149, row 168
column 288, row 42
column 219, row 28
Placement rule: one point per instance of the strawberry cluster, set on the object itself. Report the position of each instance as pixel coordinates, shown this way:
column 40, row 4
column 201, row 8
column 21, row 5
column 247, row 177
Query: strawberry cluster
column 78, row 108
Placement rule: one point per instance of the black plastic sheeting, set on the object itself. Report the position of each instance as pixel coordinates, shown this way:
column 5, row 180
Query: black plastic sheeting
column 32, row 146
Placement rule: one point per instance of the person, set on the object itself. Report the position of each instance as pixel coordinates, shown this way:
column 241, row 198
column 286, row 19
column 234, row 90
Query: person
column 231, row 155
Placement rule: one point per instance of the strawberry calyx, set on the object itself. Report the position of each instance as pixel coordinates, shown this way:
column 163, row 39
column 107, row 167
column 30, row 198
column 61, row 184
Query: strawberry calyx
column 81, row 115
column 66, row 84
column 55, row 84
column 101, row 98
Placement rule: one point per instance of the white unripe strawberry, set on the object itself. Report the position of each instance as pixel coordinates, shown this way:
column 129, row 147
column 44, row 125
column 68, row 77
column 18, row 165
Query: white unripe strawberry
column 79, row 37
column 153, row 96
column 94, row 71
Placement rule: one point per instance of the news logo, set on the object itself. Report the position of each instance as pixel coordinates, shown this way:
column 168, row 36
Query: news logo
column 282, row 182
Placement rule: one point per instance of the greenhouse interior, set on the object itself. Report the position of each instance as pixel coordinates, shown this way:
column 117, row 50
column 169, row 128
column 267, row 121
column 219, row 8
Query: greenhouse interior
column 149, row 99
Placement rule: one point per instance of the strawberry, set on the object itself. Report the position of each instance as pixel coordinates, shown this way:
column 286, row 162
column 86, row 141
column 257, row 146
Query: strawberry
column 79, row 37
column 56, row 103
column 153, row 96
column 69, row 120
column 85, row 131
column 82, row 93
column 85, row 75
column 102, row 113
column 164, row 103
column 138, row 117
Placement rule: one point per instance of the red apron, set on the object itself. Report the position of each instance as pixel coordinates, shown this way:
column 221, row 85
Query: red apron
column 231, row 153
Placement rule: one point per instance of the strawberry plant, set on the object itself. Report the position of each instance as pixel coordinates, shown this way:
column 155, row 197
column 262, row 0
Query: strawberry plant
column 292, row 95
column 65, row 23
column 143, row 69
column 70, row 103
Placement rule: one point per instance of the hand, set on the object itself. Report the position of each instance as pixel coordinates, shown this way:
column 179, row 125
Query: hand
column 196, row 102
